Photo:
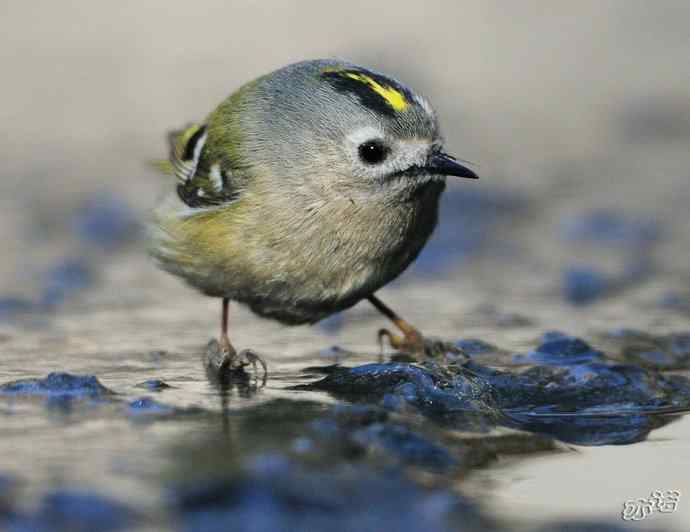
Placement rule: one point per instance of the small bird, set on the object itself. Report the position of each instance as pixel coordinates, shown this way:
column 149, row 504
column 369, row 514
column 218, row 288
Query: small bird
column 302, row 193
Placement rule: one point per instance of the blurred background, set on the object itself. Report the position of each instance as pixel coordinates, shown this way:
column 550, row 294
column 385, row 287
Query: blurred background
column 576, row 115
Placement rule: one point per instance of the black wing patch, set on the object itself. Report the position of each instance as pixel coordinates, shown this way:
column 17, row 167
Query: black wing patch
column 191, row 144
column 207, row 189
column 200, row 184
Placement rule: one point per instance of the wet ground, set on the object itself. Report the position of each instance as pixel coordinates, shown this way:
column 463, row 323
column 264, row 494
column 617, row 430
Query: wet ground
column 557, row 286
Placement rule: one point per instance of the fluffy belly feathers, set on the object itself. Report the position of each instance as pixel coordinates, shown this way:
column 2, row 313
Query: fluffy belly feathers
column 298, row 275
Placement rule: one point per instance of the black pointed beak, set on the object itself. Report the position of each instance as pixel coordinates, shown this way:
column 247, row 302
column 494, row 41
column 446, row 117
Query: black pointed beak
column 443, row 164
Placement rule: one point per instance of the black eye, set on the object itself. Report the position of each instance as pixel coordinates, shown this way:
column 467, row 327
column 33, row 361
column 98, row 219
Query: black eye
column 373, row 152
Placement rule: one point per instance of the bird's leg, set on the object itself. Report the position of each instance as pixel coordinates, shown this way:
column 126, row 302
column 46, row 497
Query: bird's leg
column 411, row 342
column 225, row 346
column 231, row 359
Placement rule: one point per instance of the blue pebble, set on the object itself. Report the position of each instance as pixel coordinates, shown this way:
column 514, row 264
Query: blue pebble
column 565, row 346
column 148, row 406
column 57, row 384
column 558, row 349
column 583, row 285
column 154, row 385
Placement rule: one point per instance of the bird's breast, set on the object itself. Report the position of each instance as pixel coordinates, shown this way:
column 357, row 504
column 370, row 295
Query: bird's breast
column 346, row 250
column 304, row 260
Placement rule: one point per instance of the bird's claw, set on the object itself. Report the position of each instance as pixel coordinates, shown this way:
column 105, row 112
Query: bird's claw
column 234, row 361
column 224, row 358
column 420, row 347
column 412, row 343
column 247, row 357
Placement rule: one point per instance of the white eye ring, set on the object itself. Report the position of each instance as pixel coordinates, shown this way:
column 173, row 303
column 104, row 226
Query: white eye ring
column 364, row 134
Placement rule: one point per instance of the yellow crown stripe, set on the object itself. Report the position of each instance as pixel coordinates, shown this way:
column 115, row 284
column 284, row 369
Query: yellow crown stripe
column 395, row 98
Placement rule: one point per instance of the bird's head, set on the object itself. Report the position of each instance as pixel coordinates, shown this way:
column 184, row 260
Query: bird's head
column 332, row 126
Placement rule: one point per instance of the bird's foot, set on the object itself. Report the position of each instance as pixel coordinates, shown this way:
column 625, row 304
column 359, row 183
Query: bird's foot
column 411, row 343
column 248, row 357
column 418, row 346
column 223, row 358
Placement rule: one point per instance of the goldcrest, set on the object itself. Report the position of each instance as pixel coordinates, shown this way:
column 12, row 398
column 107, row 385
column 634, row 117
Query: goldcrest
column 304, row 192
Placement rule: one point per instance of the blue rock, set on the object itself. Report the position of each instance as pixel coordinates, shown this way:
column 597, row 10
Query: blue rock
column 393, row 402
column 58, row 384
column 582, row 285
column 145, row 406
column 154, row 385
column 570, row 391
column 560, row 349
column 564, row 346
